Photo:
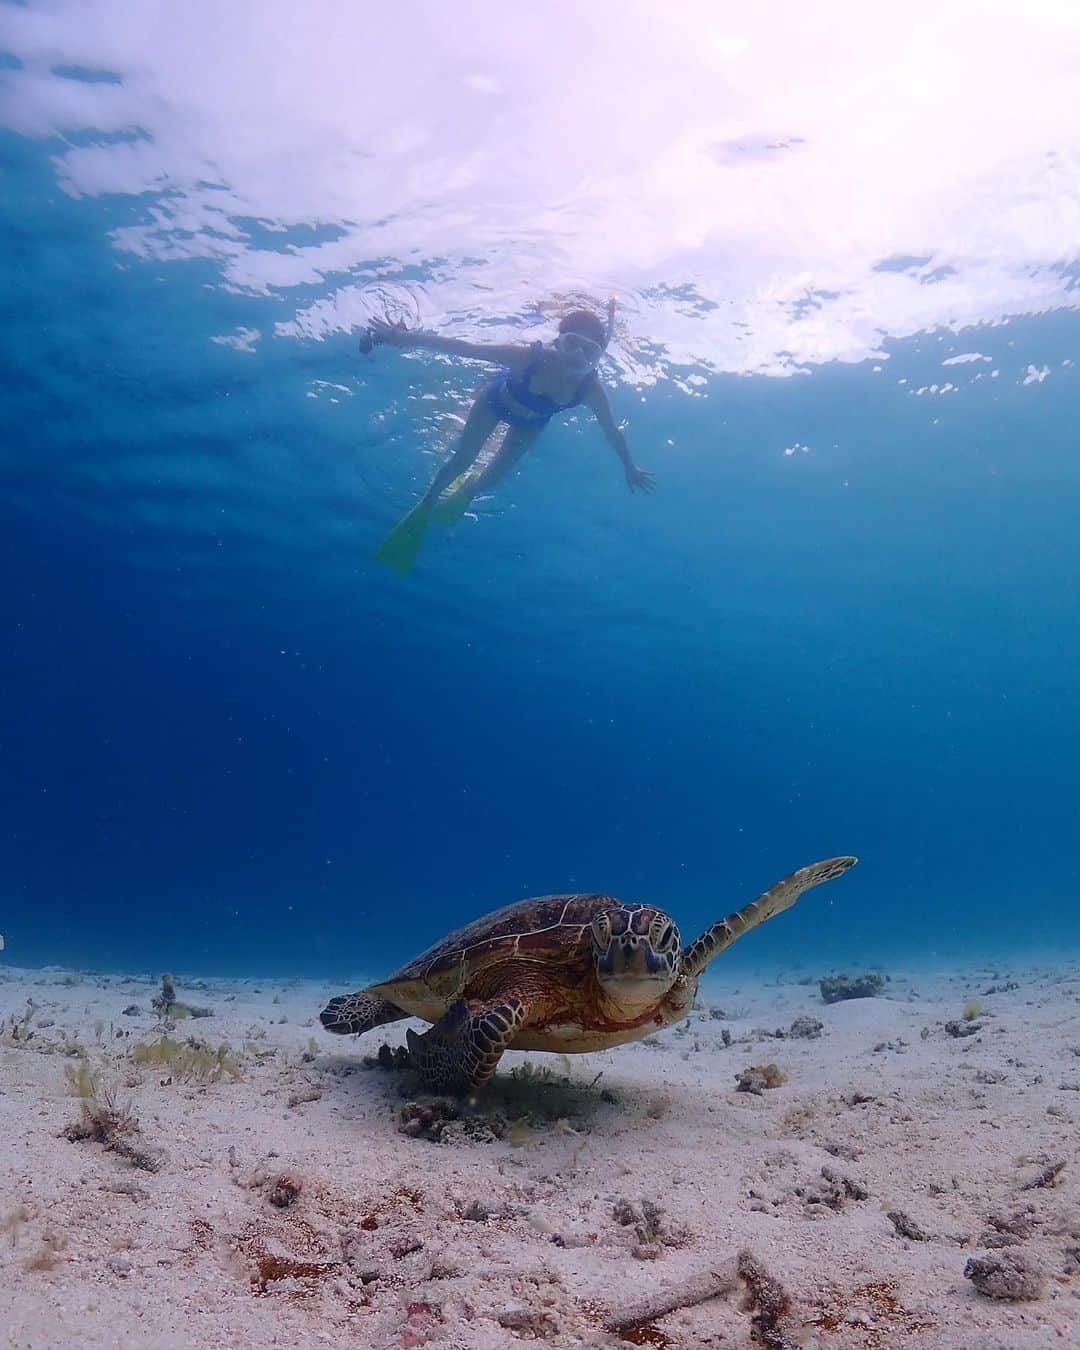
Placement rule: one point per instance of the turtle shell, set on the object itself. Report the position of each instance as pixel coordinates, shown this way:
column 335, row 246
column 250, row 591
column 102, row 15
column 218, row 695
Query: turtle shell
column 553, row 929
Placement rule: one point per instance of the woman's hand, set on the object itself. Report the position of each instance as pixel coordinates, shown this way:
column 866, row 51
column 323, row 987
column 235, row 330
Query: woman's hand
column 385, row 333
column 639, row 480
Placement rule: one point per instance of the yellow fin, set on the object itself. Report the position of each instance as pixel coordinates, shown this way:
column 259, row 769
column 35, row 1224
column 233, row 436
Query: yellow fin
column 451, row 506
column 400, row 548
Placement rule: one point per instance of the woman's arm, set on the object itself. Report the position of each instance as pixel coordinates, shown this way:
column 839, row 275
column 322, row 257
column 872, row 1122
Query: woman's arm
column 397, row 335
column 597, row 400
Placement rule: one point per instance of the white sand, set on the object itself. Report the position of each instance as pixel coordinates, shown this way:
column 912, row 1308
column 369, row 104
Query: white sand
column 387, row 1243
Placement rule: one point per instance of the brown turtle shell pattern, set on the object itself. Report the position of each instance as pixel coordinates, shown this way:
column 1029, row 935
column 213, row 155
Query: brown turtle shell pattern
column 553, row 929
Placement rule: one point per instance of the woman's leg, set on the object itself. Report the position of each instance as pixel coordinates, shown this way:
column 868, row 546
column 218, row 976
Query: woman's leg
column 479, row 425
column 515, row 443
column 401, row 546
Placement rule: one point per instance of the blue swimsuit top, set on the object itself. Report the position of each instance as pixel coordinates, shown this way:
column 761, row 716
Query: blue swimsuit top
column 542, row 406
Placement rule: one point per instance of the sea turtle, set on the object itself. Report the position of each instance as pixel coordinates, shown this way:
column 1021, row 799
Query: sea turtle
column 569, row 973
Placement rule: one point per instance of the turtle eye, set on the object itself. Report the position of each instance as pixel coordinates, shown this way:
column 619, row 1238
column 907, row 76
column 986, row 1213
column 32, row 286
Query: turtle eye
column 663, row 934
column 601, row 931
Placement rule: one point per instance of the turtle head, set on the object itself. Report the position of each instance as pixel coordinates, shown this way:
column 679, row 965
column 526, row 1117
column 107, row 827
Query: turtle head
column 636, row 954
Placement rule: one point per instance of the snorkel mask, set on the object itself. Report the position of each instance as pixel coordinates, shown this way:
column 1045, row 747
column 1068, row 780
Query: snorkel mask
column 580, row 353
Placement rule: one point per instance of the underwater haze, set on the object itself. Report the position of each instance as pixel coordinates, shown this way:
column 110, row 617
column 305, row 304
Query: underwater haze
column 844, row 247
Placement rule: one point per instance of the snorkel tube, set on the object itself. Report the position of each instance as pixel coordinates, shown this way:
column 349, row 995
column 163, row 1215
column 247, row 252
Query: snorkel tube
column 610, row 328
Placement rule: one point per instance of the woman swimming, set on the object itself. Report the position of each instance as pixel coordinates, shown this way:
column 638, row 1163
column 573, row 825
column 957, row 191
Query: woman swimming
column 533, row 383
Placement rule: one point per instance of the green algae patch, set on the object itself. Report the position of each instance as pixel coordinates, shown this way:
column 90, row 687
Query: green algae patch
column 191, row 1060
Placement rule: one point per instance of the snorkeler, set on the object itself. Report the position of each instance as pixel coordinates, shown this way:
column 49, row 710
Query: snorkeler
column 533, row 384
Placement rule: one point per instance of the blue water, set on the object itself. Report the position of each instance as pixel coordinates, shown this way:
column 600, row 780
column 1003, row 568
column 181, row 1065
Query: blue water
column 233, row 743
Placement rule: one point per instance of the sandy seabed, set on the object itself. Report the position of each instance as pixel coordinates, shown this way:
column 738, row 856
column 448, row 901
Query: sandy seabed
column 272, row 1194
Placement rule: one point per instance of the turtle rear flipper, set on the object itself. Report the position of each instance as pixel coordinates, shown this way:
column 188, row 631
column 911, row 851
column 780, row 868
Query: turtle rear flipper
column 353, row 1014
column 460, row 1052
column 773, row 901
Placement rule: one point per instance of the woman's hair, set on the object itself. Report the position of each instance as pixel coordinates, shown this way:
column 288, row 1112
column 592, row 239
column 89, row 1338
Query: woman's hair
column 585, row 323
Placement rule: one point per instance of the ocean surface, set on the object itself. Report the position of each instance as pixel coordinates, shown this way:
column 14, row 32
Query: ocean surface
column 846, row 344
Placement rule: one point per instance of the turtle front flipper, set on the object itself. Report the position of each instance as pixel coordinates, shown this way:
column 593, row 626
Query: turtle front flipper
column 460, row 1052
column 353, row 1014
column 777, row 898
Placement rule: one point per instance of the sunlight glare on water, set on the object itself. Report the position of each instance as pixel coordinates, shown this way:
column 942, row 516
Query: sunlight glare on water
column 757, row 204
